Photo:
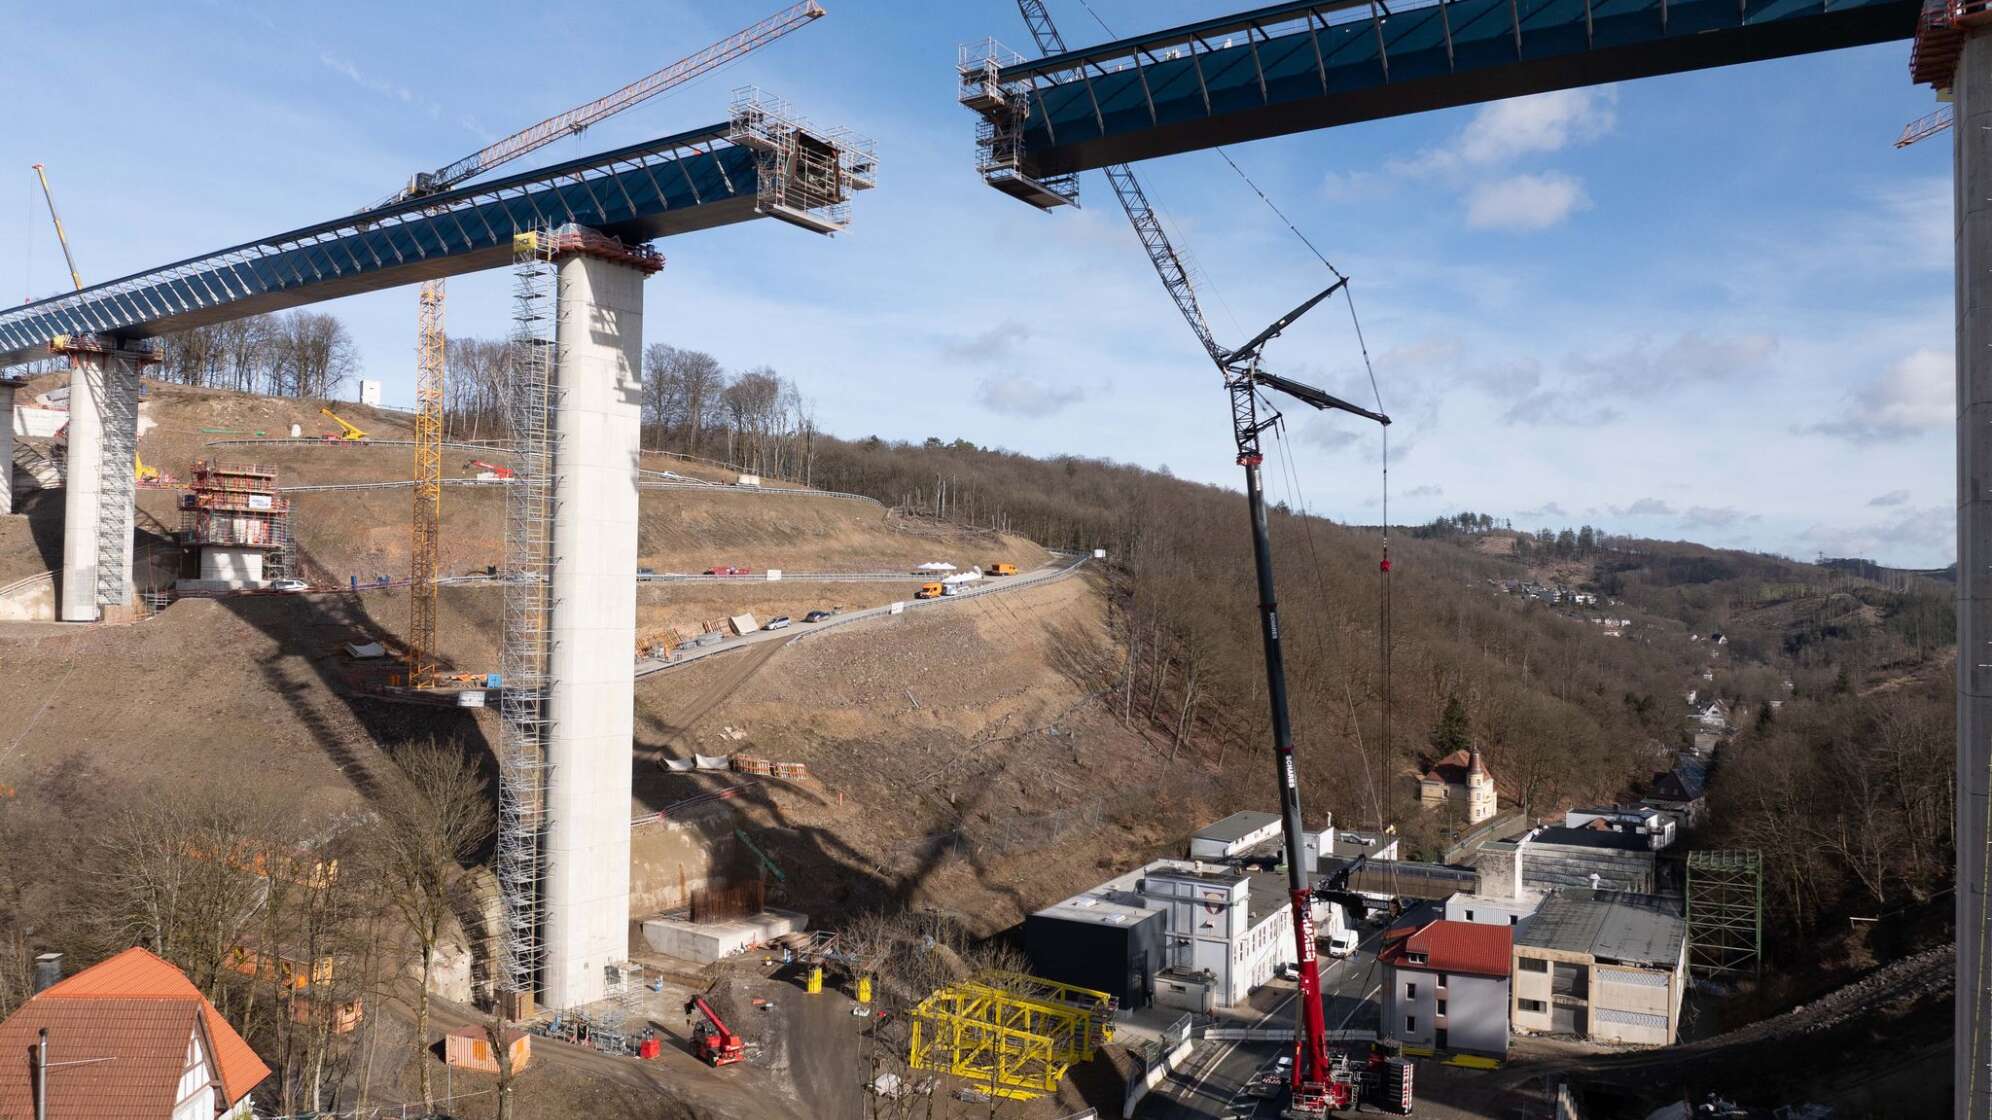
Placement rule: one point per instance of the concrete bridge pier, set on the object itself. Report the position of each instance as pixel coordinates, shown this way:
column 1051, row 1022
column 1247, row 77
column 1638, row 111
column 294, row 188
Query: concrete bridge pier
column 98, row 482
column 1972, row 180
column 7, row 388
column 591, row 696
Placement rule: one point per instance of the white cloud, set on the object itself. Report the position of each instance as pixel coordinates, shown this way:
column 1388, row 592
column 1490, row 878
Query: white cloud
column 1712, row 517
column 1913, row 536
column 1644, row 507
column 1026, row 397
column 1918, row 393
column 1546, row 510
column 998, row 344
column 1525, row 203
column 1426, row 491
column 1504, row 131
column 1892, row 498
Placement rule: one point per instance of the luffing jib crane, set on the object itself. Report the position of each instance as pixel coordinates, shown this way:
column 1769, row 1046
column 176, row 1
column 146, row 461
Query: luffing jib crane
column 431, row 345
column 1318, row 1083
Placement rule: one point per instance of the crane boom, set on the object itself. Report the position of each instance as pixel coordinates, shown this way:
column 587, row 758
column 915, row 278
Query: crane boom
column 75, row 277
column 528, row 140
column 1168, row 263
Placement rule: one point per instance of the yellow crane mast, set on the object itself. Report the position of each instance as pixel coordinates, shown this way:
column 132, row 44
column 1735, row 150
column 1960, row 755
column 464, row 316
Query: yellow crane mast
column 428, row 513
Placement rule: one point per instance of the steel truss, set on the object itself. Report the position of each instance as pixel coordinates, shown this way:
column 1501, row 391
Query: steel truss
column 1726, row 912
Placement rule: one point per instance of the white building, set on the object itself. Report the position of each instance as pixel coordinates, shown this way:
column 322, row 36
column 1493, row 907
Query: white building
column 1445, row 987
column 1225, row 930
column 370, row 392
column 1460, row 776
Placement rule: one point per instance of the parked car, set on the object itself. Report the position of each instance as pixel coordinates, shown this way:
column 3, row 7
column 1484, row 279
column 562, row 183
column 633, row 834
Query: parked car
column 779, row 622
column 646, row 571
column 1342, row 944
column 816, row 616
column 729, row 570
column 289, row 585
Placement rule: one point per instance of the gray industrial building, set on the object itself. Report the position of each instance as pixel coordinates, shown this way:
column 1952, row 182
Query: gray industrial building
column 1555, row 858
column 1603, row 965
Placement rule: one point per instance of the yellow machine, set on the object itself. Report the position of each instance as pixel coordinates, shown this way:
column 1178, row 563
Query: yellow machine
column 929, row 591
column 142, row 472
column 347, row 432
column 1001, row 569
column 1014, row 1035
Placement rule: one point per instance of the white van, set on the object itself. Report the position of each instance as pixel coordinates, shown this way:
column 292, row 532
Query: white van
column 1342, row 944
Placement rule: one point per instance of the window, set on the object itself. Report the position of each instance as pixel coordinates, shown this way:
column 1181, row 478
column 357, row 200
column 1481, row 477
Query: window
column 1469, row 915
column 1442, row 1007
column 1534, row 964
column 1512, row 919
column 1535, row 1005
column 1410, row 1024
column 1442, row 979
column 1410, row 991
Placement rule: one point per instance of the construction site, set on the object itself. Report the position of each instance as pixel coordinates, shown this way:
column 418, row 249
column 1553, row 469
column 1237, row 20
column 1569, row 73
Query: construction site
column 545, row 766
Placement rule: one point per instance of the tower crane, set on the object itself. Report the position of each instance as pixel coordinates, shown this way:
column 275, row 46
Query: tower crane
column 1318, row 1084
column 431, row 345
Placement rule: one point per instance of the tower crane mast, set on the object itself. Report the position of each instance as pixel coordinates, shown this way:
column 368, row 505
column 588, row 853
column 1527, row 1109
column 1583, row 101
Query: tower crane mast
column 431, row 345
column 1318, row 1085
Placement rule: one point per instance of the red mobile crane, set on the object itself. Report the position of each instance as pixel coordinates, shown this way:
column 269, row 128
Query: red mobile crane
column 496, row 470
column 1319, row 1083
column 713, row 1042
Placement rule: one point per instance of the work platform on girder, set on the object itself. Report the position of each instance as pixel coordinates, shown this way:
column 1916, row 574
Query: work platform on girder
column 1293, row 67
column 761, row 163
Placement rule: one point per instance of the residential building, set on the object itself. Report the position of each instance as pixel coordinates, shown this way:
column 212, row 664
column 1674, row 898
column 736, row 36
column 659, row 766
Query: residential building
column 1683, row 790
column 1602, row 965
column 1446, row 986
column 1187, row 922
column 1460, row 777
column 128, row 1039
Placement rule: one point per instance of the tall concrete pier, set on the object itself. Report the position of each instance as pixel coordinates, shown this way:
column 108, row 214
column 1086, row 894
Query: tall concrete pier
column 98, row 477
column 1973, row 184
column 7, row 388
column 592, row 622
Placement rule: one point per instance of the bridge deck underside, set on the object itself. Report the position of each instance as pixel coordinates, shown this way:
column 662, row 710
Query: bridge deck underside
column 675, row 185
column 1295, row 67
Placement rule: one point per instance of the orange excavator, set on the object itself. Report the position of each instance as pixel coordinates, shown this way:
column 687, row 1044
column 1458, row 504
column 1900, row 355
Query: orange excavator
column 712, row 1041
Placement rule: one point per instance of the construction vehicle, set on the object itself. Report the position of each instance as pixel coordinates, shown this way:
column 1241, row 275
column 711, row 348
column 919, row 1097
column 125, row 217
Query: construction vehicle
column 1317, row 1082
column 1002, row 569
column 930, row 591
column 712, row 1041
column 347, row 433
column 493, row 469
column 142, row 472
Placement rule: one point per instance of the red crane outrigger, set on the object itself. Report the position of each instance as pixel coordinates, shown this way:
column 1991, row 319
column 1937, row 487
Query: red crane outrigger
column 712, row 1041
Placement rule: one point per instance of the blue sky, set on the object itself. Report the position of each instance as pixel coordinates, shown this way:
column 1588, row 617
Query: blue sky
column 1714, row 306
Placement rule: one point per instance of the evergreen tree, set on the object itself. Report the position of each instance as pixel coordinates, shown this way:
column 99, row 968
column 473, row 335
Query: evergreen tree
column 1453, row 733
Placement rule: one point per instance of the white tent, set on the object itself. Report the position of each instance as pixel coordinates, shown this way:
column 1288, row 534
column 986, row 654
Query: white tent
column 935, row 566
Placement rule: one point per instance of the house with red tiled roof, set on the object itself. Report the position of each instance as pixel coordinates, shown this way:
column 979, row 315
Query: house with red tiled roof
column 130, row 1038
column 1462, row 777
column 1445, row 987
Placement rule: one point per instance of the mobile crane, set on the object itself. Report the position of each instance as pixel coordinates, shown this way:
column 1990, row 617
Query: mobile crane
column 494, row 469
column 1318, row 1084
column 712, row 1041
column 347, row 432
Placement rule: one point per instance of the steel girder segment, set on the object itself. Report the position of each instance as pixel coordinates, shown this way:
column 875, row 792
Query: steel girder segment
column 693, row 180
column 1299, row 66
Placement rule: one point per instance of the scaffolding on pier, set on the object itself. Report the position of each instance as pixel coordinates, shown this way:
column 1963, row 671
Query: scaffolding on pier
column 802, row 175
column 999, row 136
column 530, row 401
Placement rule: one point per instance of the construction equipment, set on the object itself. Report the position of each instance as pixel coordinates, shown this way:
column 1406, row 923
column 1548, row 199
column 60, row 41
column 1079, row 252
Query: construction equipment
column 75, row 277
column 431, row 343
column 495, row 470
column 347, row 433
column 1317, row 1083
column 930, row 591
column 1002, row 569
column 1014, row 1035
column 712, row 1041
column 142, row 472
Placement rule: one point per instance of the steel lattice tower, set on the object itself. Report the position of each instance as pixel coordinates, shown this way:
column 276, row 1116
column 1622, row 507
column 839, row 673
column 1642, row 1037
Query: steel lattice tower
column 1726, row 912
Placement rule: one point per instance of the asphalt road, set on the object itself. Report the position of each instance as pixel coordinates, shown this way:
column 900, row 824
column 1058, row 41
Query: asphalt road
column 1210, row 1084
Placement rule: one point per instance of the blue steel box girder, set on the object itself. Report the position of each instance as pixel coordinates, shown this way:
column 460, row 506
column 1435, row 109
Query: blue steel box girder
column 691, row 180
column 1298, row 66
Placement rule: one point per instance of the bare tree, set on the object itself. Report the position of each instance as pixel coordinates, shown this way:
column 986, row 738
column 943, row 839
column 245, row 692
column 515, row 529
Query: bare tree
column 432, row 821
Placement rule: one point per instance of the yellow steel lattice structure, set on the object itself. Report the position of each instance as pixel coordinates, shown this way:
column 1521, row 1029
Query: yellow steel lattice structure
column 1014, row 1035
column 430, row 348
